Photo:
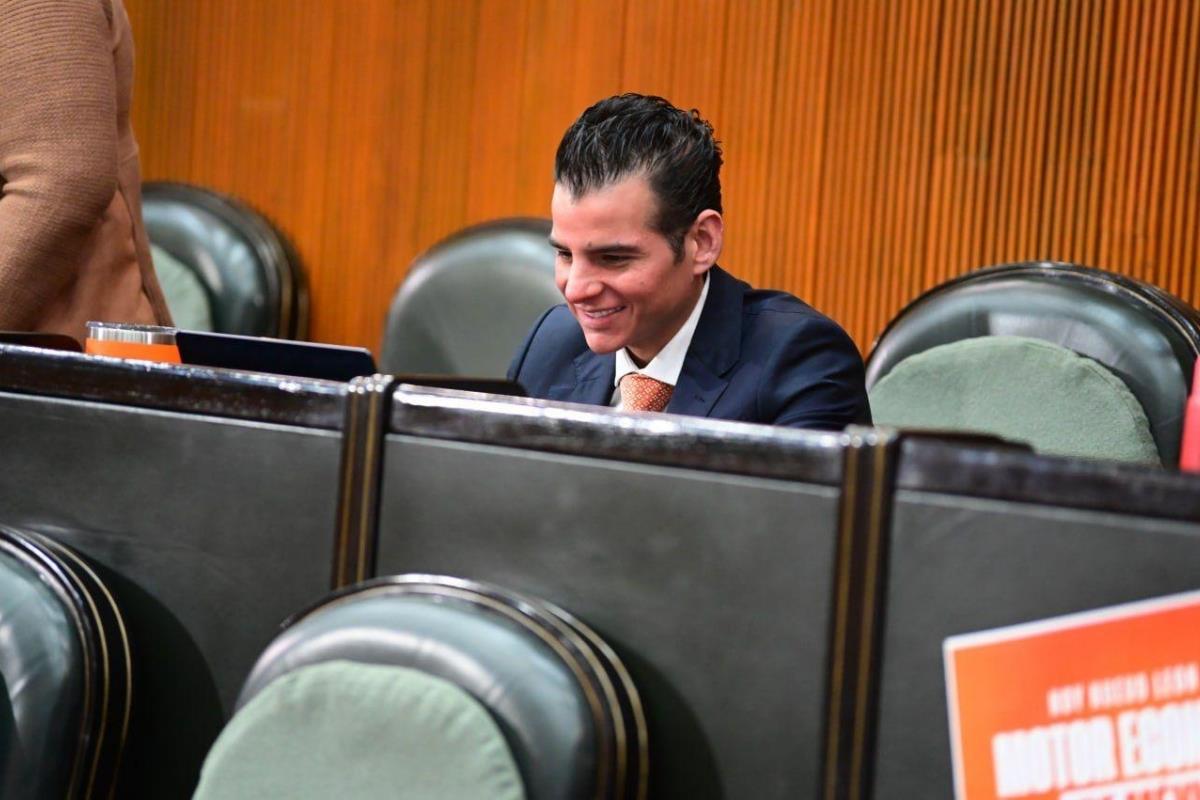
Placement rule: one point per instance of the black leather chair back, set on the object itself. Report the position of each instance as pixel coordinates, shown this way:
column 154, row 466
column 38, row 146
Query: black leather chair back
column 65, row 665
column 1139, row 332
column 252, row 274
column 468, row 302
column 567, row 707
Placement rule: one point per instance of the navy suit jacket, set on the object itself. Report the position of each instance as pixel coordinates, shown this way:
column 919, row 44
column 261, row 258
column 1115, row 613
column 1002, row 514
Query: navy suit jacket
column 756, row 356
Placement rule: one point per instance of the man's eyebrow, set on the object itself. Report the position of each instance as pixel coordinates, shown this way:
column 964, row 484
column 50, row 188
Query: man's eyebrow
column 611, row 248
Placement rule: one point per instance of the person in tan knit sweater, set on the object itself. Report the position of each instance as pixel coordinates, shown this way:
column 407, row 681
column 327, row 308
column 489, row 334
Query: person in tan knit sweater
column 72, row 244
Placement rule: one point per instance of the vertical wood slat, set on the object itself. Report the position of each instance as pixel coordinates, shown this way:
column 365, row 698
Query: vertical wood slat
column 873, row 149
column 746, row 93
column 1173, row 111
column 1185, row 253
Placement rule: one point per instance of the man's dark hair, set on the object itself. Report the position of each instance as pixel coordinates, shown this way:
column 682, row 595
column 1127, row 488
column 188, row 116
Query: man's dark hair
column 640, row 134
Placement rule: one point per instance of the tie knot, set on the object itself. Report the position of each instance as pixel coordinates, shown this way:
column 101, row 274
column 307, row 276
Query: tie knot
column 643, row 393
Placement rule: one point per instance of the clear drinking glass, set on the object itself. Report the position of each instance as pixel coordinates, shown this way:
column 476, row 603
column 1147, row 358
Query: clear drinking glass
column 145, row 342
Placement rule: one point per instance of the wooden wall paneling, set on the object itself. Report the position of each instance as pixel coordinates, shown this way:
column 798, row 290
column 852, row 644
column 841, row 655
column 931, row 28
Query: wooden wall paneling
column 246, row 93
column 552, row 60
column 222, row 81
column 1145, row 102
column 164, row 98
column 1141, row 104
column 1050, row 240
column 830, row 271
column 1184, row 255
column 946, row 198
column 995, row 130
column 875, row 132
column 294, row 190
column 451, row 47
column 941, row 201
column 647, row 62
column 1094, row 129
column 878, row 200
column 746, row 94
column 1009, row 147
column 495, row 121
column 698, row 53
column 1118, row 176
column 1104, row 44
column 567, row 68
column 977, row 157
column 964, row 153
column 1167, row 137
column 1155, row 92
column 1071, row 165
column 916, row 180
column 212, row 69
column 885, row 192
column 835, row 235
column 886, row 263
column 265, row 136
column 1070, row 147
column 874, row 150
column 1038, row 130
column 1161, row 135
column 600, row 48
column 1169, row 150
column 372, row 168
column 793, row 193
column 1081, row 163
column 261, row 100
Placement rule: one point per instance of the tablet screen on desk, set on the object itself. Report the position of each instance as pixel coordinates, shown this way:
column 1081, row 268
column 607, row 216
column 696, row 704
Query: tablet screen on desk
column 277, row 356
column 310, row 360
column 46, row 341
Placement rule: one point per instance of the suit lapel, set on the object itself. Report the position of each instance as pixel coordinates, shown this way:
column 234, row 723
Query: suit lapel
column 593, row 380
column 715, row 348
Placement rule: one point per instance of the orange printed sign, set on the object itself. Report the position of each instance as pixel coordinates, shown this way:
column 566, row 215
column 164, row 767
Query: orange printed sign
column 1102, row 705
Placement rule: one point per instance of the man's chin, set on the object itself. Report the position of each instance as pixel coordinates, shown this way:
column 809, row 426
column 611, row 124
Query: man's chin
column 603, row 345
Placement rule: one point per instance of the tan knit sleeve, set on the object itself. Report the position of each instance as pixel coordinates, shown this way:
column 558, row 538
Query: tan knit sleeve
column 58, row 145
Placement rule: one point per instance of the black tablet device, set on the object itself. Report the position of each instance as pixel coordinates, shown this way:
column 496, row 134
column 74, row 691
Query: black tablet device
column 277, row 356
column 46, row 341
column 310, row 360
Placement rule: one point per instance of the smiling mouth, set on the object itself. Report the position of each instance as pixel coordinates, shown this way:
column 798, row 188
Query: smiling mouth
column 601, row 313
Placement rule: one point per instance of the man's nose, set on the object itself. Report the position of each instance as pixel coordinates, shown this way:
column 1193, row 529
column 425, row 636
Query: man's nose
column 580, row 284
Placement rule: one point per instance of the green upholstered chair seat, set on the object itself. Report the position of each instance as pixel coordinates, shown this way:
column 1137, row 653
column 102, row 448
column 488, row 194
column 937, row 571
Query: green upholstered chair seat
column 1022, row 389
column 190, row 306
column 342, row 729
column 1138, row 332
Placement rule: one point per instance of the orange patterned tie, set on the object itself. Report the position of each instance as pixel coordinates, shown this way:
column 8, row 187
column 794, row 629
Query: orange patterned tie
column 641, row 393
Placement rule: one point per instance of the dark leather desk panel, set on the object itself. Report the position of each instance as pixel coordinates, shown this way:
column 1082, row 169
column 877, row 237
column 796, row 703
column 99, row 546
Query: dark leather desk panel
column 713, row 588
column 961, row 564
column 211, row 531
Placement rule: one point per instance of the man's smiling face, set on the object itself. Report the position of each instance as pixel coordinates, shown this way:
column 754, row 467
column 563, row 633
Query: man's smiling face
column 620, row 277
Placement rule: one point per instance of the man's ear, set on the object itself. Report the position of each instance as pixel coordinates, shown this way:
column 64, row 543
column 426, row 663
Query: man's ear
column 708, row 236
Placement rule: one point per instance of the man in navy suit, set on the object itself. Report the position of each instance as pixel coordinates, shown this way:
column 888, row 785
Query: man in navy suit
column 650, row 321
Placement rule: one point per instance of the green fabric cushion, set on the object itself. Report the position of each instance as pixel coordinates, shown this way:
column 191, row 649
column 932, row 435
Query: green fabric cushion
column 342, row 729
column 190, row 306
column 1022, row 389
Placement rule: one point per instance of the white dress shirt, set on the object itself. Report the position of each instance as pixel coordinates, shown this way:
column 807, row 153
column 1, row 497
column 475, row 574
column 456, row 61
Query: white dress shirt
column 668, row 363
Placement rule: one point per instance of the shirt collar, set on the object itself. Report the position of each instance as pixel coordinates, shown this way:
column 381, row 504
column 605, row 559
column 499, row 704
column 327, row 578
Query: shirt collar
column 667, row 365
